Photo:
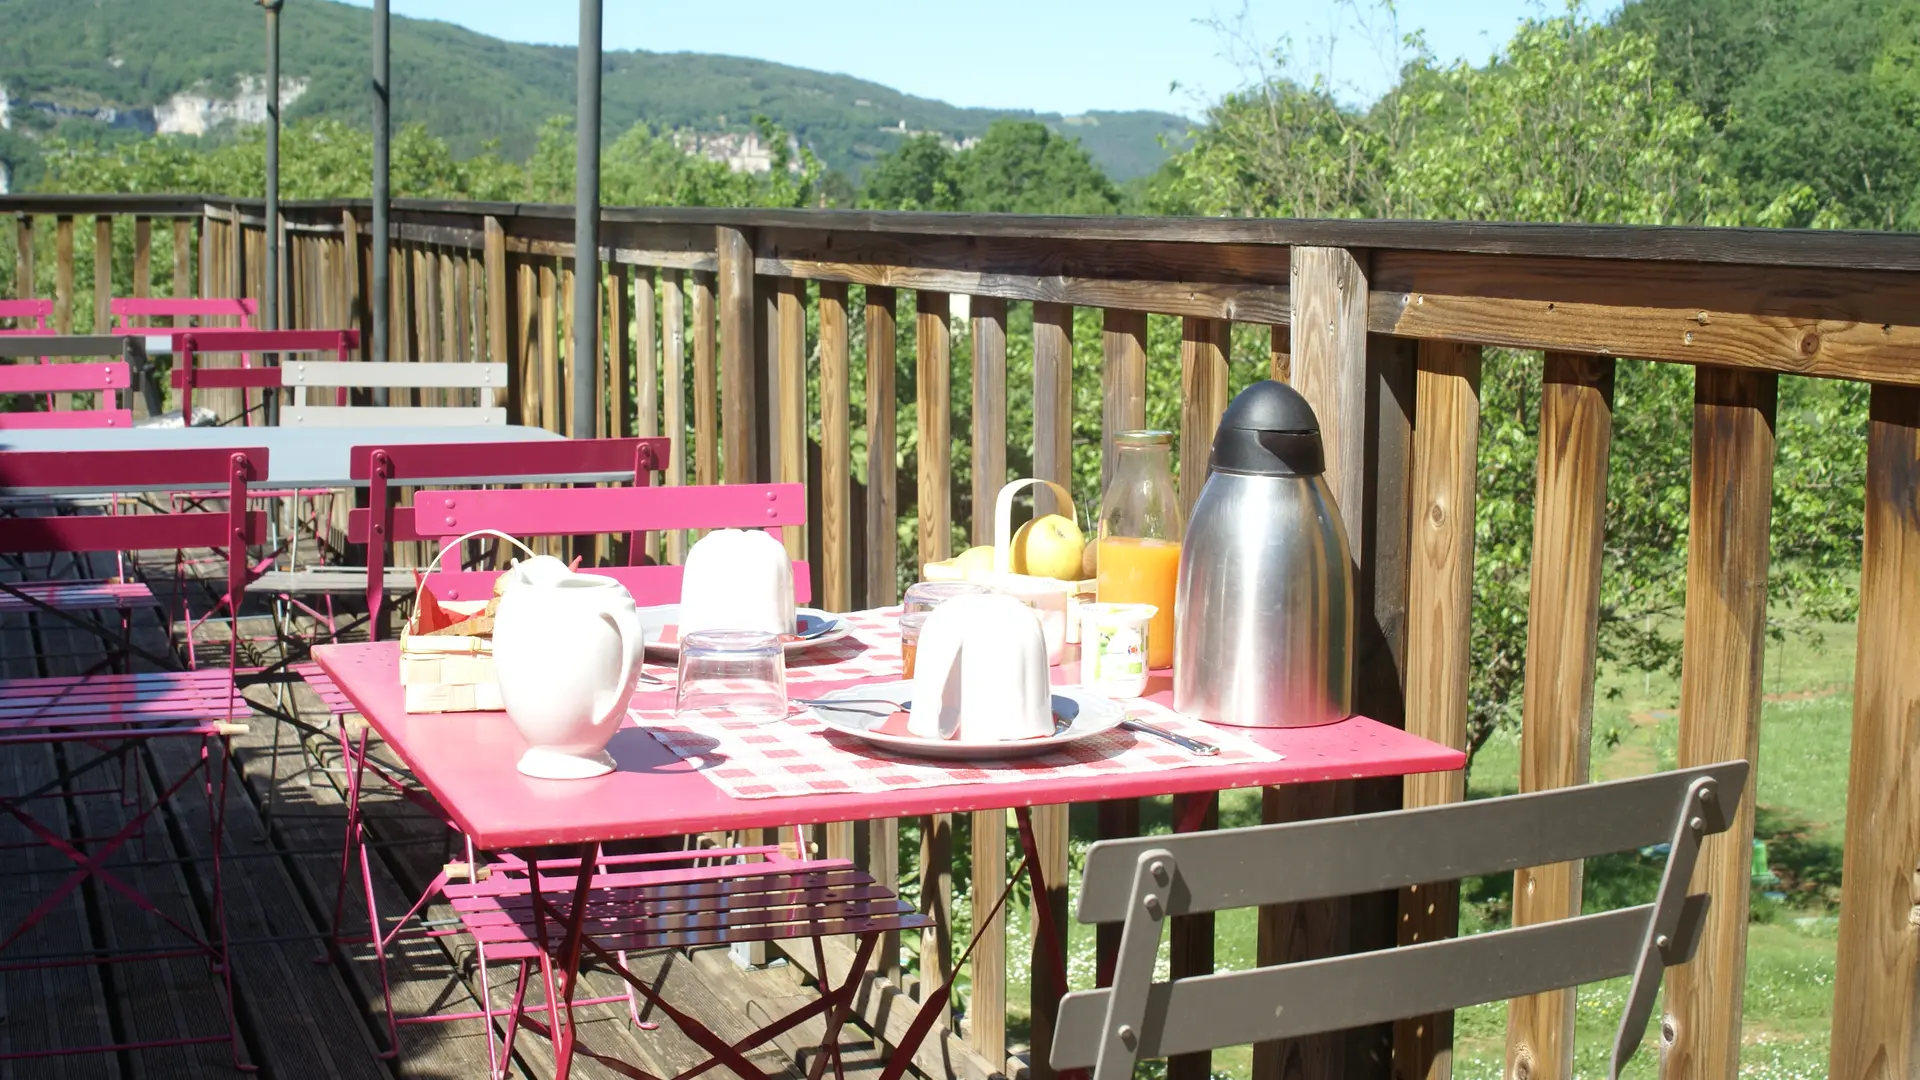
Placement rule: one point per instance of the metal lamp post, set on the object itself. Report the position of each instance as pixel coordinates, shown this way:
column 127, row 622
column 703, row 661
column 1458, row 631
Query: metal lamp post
column 381, row 137
column 586, row 226
column 271, row 306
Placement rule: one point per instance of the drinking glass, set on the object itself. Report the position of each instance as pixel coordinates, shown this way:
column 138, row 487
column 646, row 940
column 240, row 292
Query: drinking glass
column 743, row 672
column 920, row 600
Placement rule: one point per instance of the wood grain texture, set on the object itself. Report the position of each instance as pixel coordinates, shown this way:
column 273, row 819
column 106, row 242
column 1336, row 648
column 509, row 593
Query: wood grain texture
column 1446, row 443
column 1053, row 403
column 1050, row 835
column 1289, row 933
column 1280, row 353
column 737, row 328
column 547, row 342
column 988, row 316
column 706, row 388
column 616, row 354
column 836, row 451
column 936, row 902
column 526, row 337
column 63, row 275
column 576, row 367
column 1329, row 338
column 646, row 354
column 1204, row 347
column 182, row 257
column 1569, row 519
column 23, row 280
column 1139, row 260
column 143, row 257
column 791, row 356
column 1723, row 650
column 1240, row 303
column 881, row 524
column 352, row 295
column 1190, row 937
column 1876, row 1002
column 934, row 411
column 987, row 999
column 498, row 314
column 102, row 274
column 1123, row 347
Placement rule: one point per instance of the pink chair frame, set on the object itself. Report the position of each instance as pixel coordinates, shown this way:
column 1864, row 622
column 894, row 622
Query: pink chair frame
column 189, row 343
column 126, row 309
column 98, row 710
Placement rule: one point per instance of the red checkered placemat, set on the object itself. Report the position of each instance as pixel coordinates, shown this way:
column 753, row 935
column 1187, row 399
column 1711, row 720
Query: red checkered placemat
column 802, row 756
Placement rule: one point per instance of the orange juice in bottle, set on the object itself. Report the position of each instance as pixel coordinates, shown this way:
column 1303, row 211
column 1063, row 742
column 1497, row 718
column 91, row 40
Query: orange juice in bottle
column 1138, row 553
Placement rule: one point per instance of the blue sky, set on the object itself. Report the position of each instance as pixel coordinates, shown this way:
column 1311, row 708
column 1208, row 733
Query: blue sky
column 1050, row 55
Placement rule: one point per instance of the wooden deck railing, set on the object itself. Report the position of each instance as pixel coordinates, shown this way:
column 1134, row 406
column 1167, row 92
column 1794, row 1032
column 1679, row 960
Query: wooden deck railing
column 1380, row 324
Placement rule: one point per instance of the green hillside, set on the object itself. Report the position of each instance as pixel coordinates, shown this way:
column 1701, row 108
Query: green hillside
column 59, row 56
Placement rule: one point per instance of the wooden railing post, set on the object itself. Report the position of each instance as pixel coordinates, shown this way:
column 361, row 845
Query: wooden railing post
column 1439, row 625
column 706, row 389
column 646, row 356
column 1570, row 492
column 63, row 275
column 617, row 372
column 790, row 359
column 738, row 381
column 882, row 537
column 988, row 318
column 1731, row 508
column 102, row 273
column 183, row 256
column 1204, row 345
column 836, row 453
column 143, row 257
column 934, row 410
column 673, row 387
column 1053, row 406
column 23, row 283
column 1876, row 1001
column 1123, row 342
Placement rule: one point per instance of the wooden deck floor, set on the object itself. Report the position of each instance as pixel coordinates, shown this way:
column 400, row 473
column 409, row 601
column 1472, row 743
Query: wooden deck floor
column 300, row 1012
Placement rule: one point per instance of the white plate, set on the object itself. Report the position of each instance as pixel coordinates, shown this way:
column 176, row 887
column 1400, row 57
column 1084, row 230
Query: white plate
column 657, row 618
column 1078, row 714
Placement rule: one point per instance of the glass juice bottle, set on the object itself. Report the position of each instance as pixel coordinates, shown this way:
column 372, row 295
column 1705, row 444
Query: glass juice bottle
column 1140, row 530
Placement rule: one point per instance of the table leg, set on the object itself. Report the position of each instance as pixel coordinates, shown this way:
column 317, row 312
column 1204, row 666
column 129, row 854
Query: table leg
column 570, row 958
column 1052, row 943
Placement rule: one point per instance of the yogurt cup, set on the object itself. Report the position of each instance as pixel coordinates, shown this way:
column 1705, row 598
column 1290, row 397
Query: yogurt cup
column 1113, row 648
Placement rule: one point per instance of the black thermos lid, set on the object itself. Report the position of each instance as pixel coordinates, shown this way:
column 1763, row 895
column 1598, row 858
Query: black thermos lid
column 1269, row 430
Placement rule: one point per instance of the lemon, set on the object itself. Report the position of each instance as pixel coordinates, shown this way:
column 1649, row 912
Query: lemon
column 1050, row 546
column 971, row 563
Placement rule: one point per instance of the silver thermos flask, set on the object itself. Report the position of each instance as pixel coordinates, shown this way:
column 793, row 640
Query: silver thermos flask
column 1264, row 606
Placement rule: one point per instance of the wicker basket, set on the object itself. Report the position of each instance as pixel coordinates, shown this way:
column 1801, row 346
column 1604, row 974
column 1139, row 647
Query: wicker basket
column 450, row 672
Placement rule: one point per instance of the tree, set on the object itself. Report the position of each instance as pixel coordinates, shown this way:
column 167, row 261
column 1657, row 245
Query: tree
column 920, row 175
column 1018, row 167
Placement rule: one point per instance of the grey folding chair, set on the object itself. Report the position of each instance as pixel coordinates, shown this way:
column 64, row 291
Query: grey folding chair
column 1143, row 881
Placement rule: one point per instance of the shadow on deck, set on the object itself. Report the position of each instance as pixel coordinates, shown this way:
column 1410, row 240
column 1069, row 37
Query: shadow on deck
column 301, row 1012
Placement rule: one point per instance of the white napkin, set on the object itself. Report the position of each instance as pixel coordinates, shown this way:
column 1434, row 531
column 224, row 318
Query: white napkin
column 980, row 674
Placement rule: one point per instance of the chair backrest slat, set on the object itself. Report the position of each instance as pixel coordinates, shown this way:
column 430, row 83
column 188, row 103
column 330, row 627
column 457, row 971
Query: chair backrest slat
column 45, row 378
column 362, row 375
column 350, row 416
column 127, row 532
column 231, row 339
column 461, row 462
column 36, row 312
column 66, row 421
column 184, row 470
column 583, row 511
column 148, row 307
column 648, row 584
column 1351, row 855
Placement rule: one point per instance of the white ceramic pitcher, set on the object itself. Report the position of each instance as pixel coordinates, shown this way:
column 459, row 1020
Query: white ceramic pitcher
column 567, row 651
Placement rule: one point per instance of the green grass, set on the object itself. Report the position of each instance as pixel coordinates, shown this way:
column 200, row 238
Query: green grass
column 1804, row 736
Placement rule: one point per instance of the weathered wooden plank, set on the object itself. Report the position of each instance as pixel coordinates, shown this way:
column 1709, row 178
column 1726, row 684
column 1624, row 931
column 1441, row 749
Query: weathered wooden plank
column 1446, row 440
column 882, row 538
column 183, row 257
column 526, row 336
column 102, row 273
column 616, row 355
column 1835, row 323
column 1204, row 345
column 934, row 412
column 574, row 367
column 63, row 275
column 499, row 316
column 987, row 998
column 143, row 256
column 1876, row 1003
column 1190, row 937
column 1720, row 688
column 1280, row 353
column 737, row 381
column 706, row 390
column 548, row 398
column 1135, row 259
column 1576, row 407
column 1053, row 403
column 936, row 902
column 352, row 311
column 1241, row 303
column 1050, row 836
column 836, row 455
column 988, row 316
column 791, row 357
column 646, row 355
column 23, row 282
column 1123, row 341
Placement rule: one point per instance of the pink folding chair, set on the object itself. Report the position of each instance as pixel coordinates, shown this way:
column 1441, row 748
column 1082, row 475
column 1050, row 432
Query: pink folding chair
column 135, row 312
column 104, row 378
column 112, row 715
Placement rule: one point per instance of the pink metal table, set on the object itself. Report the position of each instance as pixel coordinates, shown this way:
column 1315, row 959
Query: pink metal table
column 466, row 760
